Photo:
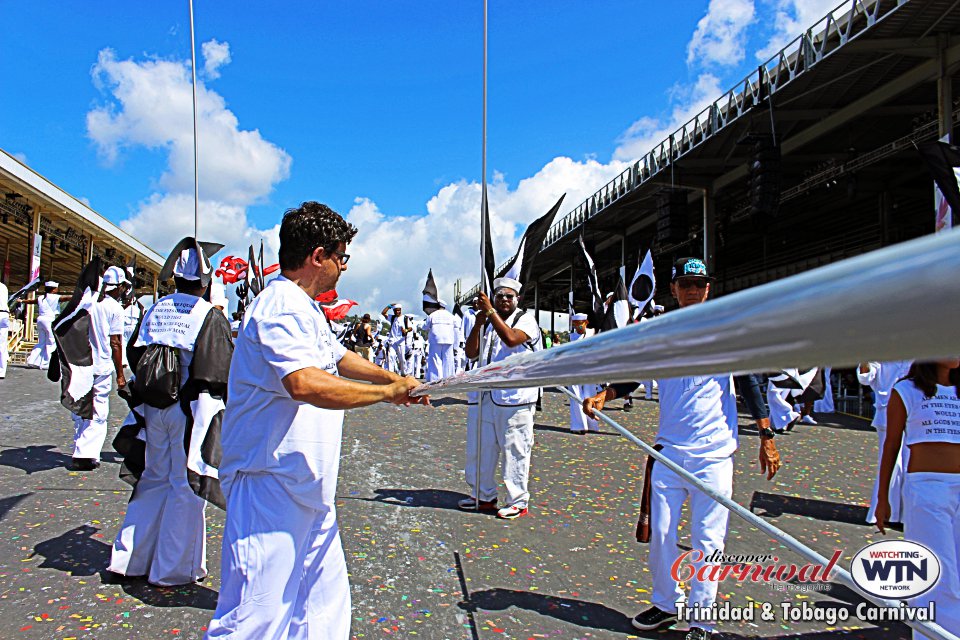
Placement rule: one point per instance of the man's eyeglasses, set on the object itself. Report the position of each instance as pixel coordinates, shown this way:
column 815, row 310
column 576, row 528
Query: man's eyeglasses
column 504, row 296
column 343, row 257
column 690, row 284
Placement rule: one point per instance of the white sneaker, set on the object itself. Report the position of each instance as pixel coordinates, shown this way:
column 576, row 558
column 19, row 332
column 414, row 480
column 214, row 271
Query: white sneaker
column 509, row 513
column 808, row 420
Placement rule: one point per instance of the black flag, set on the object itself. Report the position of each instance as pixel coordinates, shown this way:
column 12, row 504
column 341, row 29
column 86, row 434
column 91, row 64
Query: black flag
column 430, row 296
column 522, row 263
column 618, row 311
column 260, row 275
column 489, row 264
column 253, row 278
column 643, row 285
column 943, row 161
column 592, row 284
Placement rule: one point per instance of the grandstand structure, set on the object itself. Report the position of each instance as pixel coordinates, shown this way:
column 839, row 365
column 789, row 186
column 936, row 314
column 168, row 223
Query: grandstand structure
column 40, row 220
column 808, row 160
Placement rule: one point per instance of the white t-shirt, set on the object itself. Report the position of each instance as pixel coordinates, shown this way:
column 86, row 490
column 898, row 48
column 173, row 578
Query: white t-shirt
column 935, row 419
column 496, row 351
column 48, row 305
column 698, row 415
column 881, row 376
column 395, row 335
column 106, row 319
column 264, row 429
column 441, row 328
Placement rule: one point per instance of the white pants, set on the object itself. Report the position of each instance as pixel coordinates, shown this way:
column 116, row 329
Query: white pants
column 441, row 363
column 417, row 364
column 647, row 389
column 4, row 352
column 284, row 576
column 896, row 481
column 931, row 516
column 41, row 353
column 88, row 435
column 396, row 360
column 162, row 536
column 578, row 419
column 708, row 522
column 506, row 430
column 781, row 406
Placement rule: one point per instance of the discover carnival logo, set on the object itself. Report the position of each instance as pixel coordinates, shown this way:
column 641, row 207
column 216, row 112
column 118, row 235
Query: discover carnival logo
column 896, row 569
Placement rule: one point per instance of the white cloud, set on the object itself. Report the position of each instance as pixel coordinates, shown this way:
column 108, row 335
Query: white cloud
column 647, row 132
column 215, row 55
column 148, row 103
column 21, row 157
column 790, row 19
column 391, row 255
column 721, row 33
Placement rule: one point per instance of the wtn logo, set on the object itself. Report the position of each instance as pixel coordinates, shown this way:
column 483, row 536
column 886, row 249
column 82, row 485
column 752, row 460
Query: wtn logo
column 903, row 570
column 895, row 569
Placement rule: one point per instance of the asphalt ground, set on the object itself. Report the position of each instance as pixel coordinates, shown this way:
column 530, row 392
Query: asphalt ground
column 419, row 567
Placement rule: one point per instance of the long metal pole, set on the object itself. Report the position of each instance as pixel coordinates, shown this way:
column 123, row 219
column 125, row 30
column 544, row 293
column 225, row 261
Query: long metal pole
column 484, row 285
column 929, row 629
column 196, row 154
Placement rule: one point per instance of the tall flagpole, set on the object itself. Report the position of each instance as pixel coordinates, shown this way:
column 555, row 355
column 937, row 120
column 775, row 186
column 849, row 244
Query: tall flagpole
column 196, row 180
column 484, row 285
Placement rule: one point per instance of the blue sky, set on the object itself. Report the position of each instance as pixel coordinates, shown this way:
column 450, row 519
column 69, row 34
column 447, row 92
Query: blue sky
column 371, row 107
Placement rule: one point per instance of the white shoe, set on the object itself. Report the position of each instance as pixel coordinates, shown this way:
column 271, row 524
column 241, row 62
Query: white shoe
column 808, row 420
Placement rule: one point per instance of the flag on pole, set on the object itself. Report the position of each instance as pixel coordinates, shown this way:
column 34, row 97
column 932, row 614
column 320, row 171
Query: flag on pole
column 521, row 264
column 618, row 311
column 943, row 161
column 593, row 285
column 431, row 300
column 489, row 264
column 252, row 279
column 643, row 285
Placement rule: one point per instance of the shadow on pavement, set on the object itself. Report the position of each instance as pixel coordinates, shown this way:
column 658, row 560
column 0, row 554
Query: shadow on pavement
column 549, row 427
column 8, row 503
column 445, row 402
column 430, row 498
column 76, row 553
column 776, row 505
column 34, row 459
column 589, row 615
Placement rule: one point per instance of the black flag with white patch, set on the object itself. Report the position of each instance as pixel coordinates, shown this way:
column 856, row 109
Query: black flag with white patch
column 521, row 264
column 943, row 161
column 431, row 298
column 644, row 284
column 618, row 310
column 593, row 284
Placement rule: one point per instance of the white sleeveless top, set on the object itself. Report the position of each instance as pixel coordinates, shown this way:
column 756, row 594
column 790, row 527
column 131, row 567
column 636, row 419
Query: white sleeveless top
column 935, row 419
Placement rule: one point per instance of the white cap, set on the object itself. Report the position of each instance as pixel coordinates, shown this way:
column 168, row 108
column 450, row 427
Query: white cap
column 578, row 317
column 51, row 284
column 442, row 304
column 188, row 265
column 114, row 276
column 510, row 283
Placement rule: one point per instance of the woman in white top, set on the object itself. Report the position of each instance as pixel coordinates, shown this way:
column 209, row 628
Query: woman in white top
column 924, row 412
column 48, row 306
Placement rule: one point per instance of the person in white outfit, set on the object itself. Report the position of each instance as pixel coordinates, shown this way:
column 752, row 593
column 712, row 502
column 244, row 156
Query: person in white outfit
column 881, row 377
column 48, row 306
column 506, row 415
column 698, row 431
column 106, row 343
column 419, row 347
column 4, row 330
column 163, row 533
column 443, row 333
column 581, row 423
column 284, row 574
column 396, row 339
column 923, row 414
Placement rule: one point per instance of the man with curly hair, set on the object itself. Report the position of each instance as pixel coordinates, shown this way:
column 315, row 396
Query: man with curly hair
column 283, row 573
